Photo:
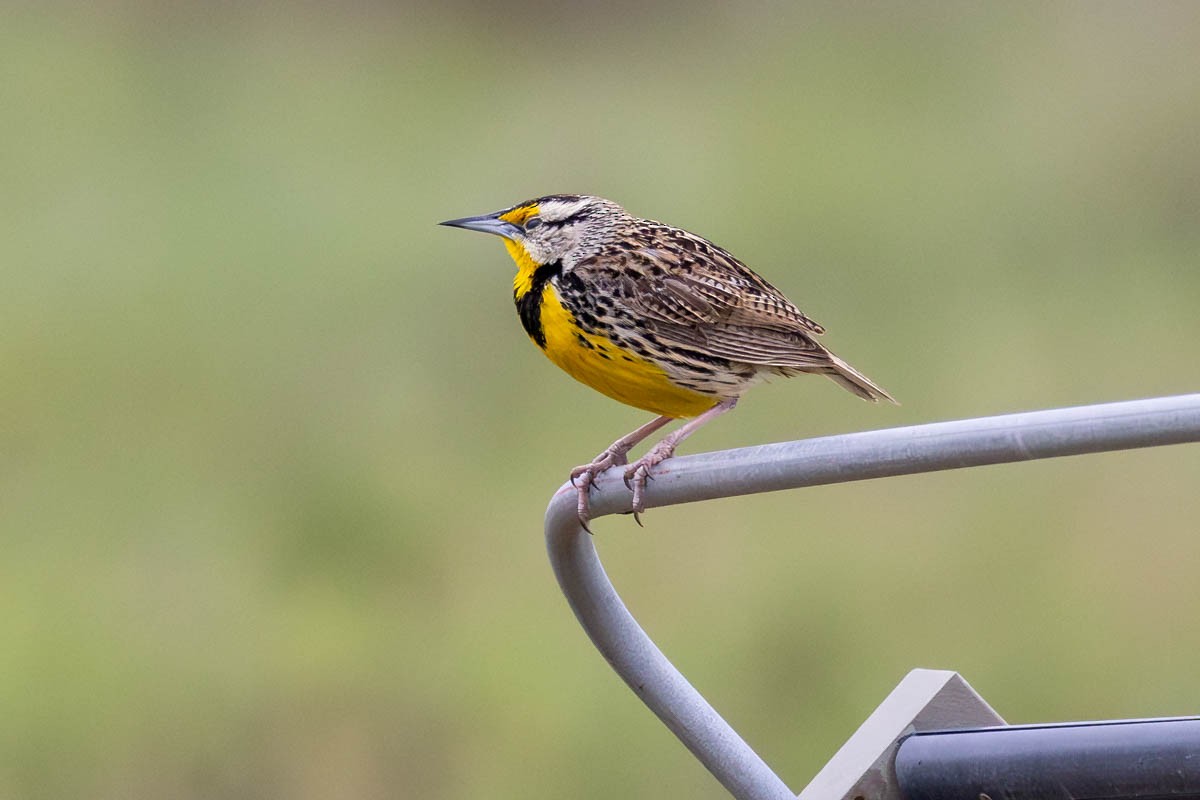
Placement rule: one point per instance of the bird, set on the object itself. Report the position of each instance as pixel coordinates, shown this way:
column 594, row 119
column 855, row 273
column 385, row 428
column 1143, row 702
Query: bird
column 654, row 317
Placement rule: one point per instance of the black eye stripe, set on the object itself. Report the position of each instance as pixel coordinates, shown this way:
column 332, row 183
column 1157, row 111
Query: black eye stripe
column 558, row 223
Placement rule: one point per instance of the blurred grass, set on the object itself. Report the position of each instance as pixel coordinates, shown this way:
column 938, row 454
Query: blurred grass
column 274, row 451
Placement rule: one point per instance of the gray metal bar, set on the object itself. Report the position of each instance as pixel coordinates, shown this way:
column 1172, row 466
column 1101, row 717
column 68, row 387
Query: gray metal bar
column 811, row 462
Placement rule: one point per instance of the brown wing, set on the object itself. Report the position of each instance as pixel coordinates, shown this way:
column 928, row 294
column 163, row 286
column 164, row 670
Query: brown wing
column 693, row 293
column 690, row 293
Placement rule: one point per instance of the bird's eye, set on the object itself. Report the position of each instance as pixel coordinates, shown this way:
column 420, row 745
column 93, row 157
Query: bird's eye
column 533, row 223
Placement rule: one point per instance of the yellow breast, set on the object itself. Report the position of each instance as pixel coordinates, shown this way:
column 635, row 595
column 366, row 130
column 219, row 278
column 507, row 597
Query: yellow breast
column 599, row 363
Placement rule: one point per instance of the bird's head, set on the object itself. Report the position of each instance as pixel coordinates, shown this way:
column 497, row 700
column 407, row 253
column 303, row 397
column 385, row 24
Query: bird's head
column 557, row 228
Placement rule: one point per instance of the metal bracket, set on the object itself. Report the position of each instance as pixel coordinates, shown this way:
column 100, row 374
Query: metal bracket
column 811, row 462
column 927, row 699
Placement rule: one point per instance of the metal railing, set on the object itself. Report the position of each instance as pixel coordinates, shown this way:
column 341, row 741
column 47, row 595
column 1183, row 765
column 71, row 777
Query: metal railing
column 811, row 462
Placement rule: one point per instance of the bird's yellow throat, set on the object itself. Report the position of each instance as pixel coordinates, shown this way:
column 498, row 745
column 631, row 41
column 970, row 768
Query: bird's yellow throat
column 526, row 266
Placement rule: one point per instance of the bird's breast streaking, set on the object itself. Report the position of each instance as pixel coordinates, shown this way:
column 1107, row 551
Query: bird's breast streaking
column 588, row 348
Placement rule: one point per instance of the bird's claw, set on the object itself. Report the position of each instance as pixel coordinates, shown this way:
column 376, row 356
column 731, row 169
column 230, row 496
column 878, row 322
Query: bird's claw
column 583, row 490
column 589, row 471
column 636, row 476
column 583, row 478
column 635, row 480
column 639, row 474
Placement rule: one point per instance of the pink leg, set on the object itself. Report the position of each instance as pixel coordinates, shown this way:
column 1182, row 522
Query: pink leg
column 639, row 471
column 582, row 477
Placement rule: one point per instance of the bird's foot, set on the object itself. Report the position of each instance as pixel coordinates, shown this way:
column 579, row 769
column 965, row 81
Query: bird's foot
column 584, row 477
column 639, row 473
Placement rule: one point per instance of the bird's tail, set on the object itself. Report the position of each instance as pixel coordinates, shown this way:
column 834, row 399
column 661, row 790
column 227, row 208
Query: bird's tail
column 854, row 381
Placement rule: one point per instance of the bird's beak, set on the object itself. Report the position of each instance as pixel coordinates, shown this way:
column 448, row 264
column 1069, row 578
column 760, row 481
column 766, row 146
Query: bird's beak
column 487, row 223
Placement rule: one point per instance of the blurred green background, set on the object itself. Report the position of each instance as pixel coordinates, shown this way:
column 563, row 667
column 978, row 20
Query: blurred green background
column 274, row 450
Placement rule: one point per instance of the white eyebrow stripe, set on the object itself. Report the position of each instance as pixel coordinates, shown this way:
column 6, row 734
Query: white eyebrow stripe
column 557, row 210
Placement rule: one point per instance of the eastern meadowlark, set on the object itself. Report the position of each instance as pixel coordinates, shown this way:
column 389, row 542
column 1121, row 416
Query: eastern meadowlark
column 652, row 316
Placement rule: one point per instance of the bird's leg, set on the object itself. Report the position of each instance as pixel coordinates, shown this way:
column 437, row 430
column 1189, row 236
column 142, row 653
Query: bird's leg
column 582, row 477
column 639, row 471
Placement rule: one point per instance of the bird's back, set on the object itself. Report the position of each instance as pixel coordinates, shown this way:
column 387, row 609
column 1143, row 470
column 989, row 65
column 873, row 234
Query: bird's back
column 710, row 322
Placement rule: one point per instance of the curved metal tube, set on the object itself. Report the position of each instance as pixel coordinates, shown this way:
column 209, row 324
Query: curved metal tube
column 811, row 462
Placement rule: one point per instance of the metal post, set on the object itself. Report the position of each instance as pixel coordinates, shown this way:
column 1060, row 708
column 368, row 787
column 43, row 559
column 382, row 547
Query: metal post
column 812, row 462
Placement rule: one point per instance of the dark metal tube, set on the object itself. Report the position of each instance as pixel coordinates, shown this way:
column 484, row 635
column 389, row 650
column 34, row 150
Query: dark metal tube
column 1073, row 761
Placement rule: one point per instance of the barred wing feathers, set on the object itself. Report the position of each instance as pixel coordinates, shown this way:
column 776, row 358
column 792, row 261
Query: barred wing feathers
column 693, row 294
